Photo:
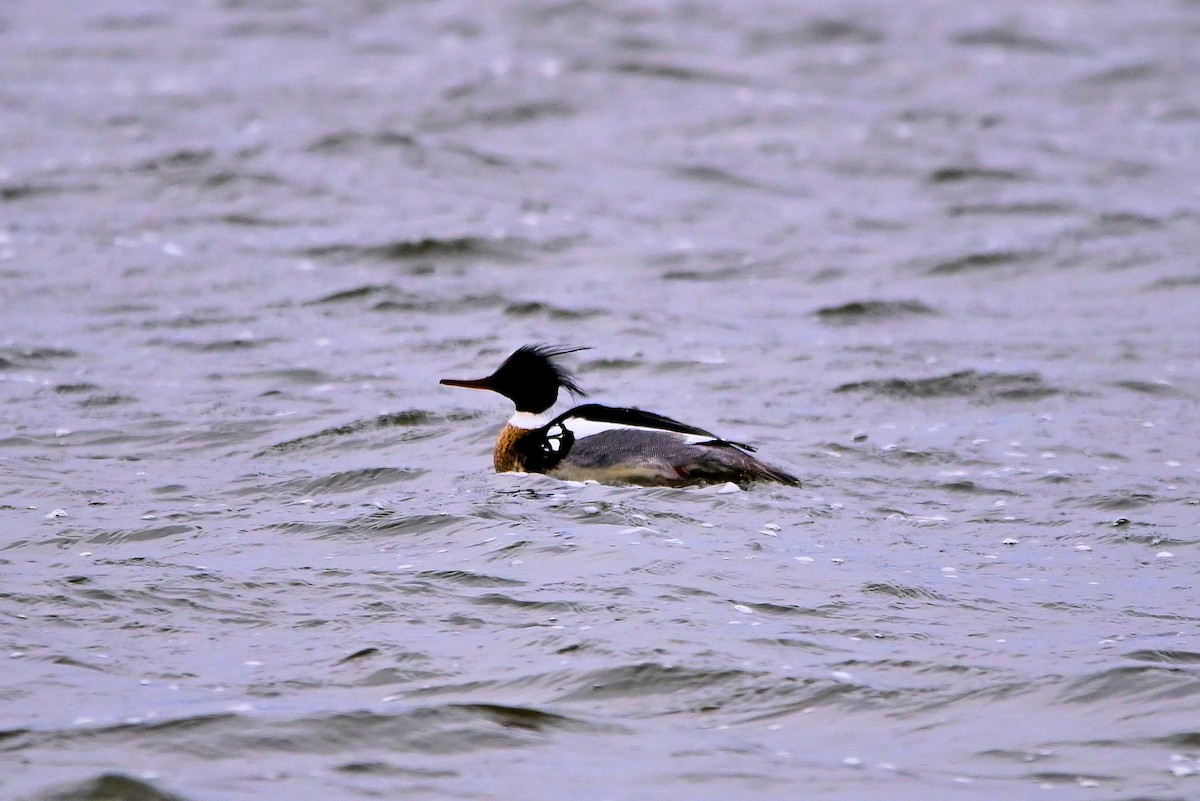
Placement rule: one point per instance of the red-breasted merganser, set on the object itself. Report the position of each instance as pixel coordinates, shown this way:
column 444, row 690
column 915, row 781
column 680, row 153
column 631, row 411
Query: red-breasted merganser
column 603, row 443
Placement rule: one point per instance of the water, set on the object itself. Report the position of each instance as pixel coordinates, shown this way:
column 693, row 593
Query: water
column 938, row 260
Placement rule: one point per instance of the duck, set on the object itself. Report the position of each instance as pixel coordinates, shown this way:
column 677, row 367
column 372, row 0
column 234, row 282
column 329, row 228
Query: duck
column 606, row 444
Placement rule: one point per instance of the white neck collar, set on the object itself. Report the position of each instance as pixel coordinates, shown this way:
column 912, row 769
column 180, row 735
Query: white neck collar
column 528, row 420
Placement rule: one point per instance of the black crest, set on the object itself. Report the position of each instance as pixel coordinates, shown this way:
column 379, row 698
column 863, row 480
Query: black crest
column 531, row 377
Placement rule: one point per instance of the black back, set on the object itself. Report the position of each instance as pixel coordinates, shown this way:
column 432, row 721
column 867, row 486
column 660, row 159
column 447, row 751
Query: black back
column 638, row 417
column 545, row 447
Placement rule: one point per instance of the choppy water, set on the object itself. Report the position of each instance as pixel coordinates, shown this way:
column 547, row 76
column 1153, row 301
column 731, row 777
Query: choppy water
column 940, row 260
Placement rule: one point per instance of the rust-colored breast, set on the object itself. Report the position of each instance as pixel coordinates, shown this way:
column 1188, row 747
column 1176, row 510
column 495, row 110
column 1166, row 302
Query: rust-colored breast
column 504, row 457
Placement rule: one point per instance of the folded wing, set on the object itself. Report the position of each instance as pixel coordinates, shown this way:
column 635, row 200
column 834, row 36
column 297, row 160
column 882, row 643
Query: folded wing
column 625, row 445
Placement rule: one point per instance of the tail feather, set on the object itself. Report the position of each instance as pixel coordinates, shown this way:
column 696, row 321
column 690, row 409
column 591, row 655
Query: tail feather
column 725, row 461
column 769, row 472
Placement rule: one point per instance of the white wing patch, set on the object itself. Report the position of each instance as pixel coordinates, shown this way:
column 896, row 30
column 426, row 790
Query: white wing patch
column 582, row 427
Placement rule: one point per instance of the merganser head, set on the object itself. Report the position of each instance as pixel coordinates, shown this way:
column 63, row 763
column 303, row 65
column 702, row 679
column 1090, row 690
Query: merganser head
column 530, row 378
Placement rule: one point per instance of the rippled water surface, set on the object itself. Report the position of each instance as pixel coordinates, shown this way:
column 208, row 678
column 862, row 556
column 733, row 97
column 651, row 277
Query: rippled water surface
column 938, row 259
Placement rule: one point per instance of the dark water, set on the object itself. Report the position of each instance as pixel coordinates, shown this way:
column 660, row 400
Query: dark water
column 938, row 259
